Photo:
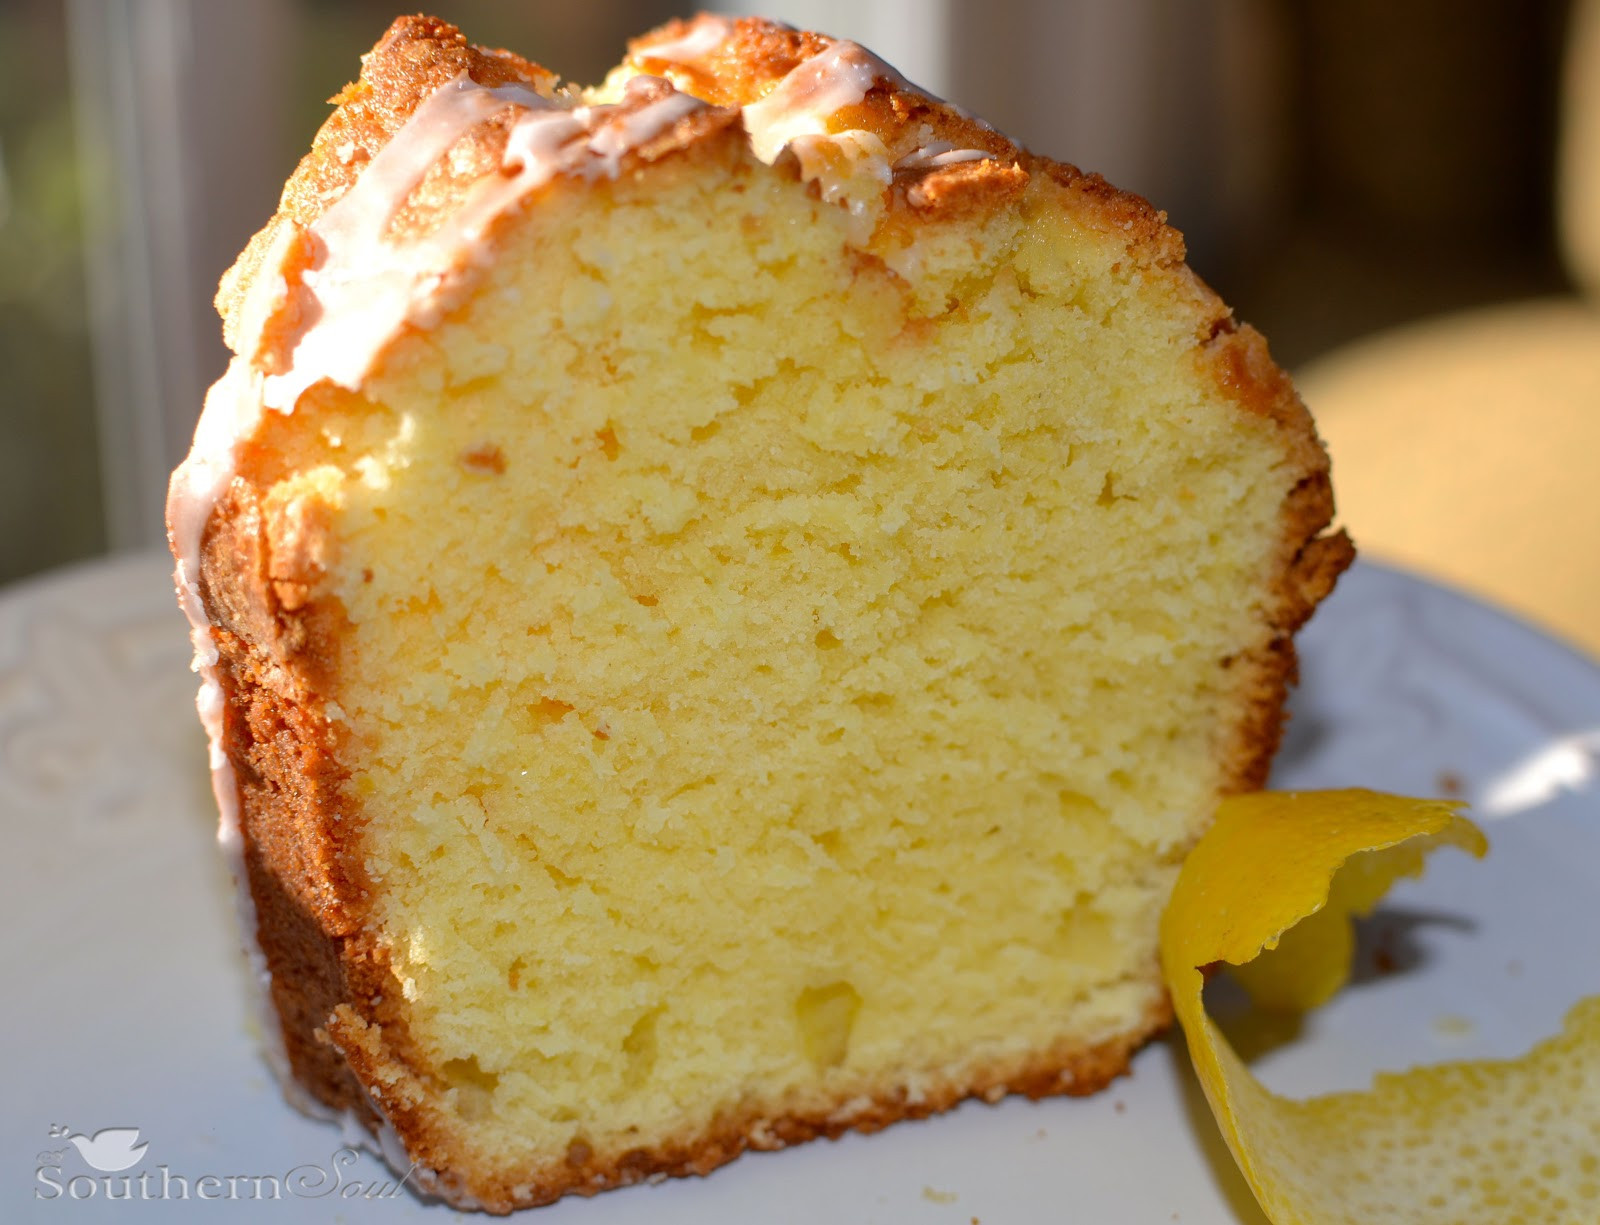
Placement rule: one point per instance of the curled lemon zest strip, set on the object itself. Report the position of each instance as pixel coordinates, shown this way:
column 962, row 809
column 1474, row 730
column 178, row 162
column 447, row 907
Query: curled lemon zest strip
column 1505, row 1141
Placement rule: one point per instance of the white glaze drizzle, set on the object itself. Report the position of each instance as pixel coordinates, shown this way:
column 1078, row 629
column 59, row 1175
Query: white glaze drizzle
column 706, row 34
column 804, row 101
column 850, row 167
column 940, row 153
column 365, row 284
column 797, row 113
column 629, row 131
column 231, row 410
column 368, row 287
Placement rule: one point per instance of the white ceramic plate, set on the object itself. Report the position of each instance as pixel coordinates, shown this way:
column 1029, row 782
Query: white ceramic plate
column 125, row 1003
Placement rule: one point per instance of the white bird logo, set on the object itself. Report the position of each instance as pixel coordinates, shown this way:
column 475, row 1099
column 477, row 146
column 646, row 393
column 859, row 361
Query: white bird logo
column 110, row 1149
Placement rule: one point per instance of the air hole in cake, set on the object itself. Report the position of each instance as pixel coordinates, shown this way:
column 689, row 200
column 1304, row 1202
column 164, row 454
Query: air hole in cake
column 640, row 1047
column 473, row 1087
column 826, row 1016
column 1086, row 940
column 689, row 788
column 706, row 432
column 548, row 710
column 827, row 640
column 1155, row 622
column 1075, row 803
column 609, row 447
column 559, row 878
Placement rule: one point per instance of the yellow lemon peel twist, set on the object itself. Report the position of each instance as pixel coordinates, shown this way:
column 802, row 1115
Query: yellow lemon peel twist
column 1504, row 1141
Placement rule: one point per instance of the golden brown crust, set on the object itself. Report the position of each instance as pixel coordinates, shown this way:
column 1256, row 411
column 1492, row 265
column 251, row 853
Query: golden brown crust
column 1308, row 561
column 1075, row 1072
column 1071, row 1070
column 278, row 631
column 296, row 825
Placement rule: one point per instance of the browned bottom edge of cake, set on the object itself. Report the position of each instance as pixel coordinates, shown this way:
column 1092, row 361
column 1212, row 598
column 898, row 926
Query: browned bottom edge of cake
column 1064, row 1069
column 330, row 979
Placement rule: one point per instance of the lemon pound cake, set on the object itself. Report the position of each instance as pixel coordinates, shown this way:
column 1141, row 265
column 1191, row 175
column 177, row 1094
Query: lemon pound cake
column 723, row 599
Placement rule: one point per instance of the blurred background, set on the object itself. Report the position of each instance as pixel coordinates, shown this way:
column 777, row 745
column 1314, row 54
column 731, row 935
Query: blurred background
column 1404, row 197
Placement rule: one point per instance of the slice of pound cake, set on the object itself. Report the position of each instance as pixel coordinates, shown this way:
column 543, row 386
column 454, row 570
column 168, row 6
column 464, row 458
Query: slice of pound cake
column 722, row 599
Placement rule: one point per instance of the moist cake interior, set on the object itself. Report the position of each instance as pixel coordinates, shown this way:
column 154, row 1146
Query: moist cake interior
column 763, row 686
